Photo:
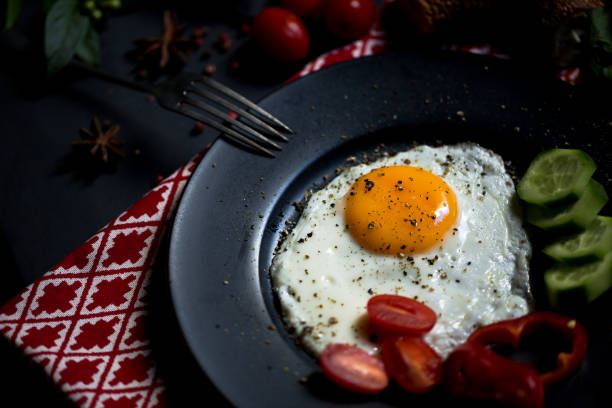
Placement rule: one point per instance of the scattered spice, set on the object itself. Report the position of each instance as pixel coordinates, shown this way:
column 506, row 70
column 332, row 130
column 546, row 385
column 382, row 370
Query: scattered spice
column 223, row 43
column 198, row 128
column 245, row 28
column 210, row 69
column 142, row 74
column 200, row 32
column 103, row 137
column 169, row 46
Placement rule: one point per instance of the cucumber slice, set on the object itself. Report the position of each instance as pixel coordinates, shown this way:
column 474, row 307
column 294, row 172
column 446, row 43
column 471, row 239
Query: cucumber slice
column 594, row 243
column 572, row 217
column 569, row 286
column 556, row 175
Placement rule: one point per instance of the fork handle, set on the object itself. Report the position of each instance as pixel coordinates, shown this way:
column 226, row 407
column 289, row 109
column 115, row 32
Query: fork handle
column 111, row 78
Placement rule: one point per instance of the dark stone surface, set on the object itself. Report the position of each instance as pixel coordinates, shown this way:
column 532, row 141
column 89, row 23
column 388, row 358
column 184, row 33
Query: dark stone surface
column 53, row 199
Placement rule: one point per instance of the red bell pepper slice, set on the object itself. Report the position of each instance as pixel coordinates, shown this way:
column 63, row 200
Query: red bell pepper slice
column 510, row 332
column 474, row 371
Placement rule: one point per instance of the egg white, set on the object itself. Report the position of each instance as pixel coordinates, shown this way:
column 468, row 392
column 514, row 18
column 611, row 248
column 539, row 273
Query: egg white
column 478, row 275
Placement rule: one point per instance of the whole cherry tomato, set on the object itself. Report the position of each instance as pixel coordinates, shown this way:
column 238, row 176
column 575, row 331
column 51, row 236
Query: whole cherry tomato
column 281, row 34
column 349, row 19
column 353, row 369
column 304, row 8
column 393, row 313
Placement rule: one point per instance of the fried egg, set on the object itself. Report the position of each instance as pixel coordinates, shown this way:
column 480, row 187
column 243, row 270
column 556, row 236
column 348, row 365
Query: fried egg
column 436, row 224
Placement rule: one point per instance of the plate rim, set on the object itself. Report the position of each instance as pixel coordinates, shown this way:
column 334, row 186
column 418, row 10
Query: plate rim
column 207, row 162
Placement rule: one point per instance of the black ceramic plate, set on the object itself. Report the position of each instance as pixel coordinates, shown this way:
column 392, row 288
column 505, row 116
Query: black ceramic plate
column 236, row 204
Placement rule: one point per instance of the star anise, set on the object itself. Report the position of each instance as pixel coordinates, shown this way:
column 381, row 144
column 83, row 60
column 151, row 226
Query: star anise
column 169, row 44
column 103, row 137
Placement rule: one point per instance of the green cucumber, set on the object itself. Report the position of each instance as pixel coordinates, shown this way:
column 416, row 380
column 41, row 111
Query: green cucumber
column 556, row 175
column 572, row 217
column 594, row 243
column 569, row 286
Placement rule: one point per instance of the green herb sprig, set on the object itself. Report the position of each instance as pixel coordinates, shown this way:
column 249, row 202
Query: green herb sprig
column 13, row 9
column 70, row 29
column 601, row 41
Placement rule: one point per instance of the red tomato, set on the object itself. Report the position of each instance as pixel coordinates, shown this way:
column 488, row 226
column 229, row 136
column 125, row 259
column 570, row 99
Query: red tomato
column 410, row 361
column 281, row 34
column 349, row 19
column 400, row 314
column 304, row 8
column 353, row 369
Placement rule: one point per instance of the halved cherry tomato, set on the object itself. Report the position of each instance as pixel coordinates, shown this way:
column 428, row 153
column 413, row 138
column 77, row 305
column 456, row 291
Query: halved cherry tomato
column 510, row 332
column 281, row 34
column 411, row 362
column 353, row 369
column 349, row 19
column 474, row 371
column 304, row 8
column 400, row 314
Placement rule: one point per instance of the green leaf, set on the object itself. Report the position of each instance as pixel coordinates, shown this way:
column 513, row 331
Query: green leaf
column 89, row 48
column 601, row 42
column 601, row 29
column 65, row 28
column 13, row 9
column 48, row 4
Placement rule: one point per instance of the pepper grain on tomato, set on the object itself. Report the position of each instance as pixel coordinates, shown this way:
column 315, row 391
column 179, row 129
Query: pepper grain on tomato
column 393, row 313
column 511, row 332
column 349, row 19
column 411, row 362
column 281, row 34
column 474, row 371
column 353, row 369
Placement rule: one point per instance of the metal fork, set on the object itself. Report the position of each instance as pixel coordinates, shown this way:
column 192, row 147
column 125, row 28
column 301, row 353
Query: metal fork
column 189, row 94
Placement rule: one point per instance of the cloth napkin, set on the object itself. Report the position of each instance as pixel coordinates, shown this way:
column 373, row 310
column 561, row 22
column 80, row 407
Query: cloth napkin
column 84, row 320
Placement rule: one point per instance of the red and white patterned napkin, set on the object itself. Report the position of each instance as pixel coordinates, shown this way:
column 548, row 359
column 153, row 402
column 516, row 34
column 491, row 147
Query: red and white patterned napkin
column 84, row 320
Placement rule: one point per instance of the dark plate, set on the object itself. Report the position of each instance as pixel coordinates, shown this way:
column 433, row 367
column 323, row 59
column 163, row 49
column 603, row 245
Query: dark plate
column 236, row 204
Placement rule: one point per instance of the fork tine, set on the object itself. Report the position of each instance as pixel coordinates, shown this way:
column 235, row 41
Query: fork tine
column 229, row 92
column 243, row 113
column 227, row 131
column 222, row 115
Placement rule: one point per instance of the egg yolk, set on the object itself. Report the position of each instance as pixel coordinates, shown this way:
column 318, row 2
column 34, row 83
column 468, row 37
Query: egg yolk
column 400, row 210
